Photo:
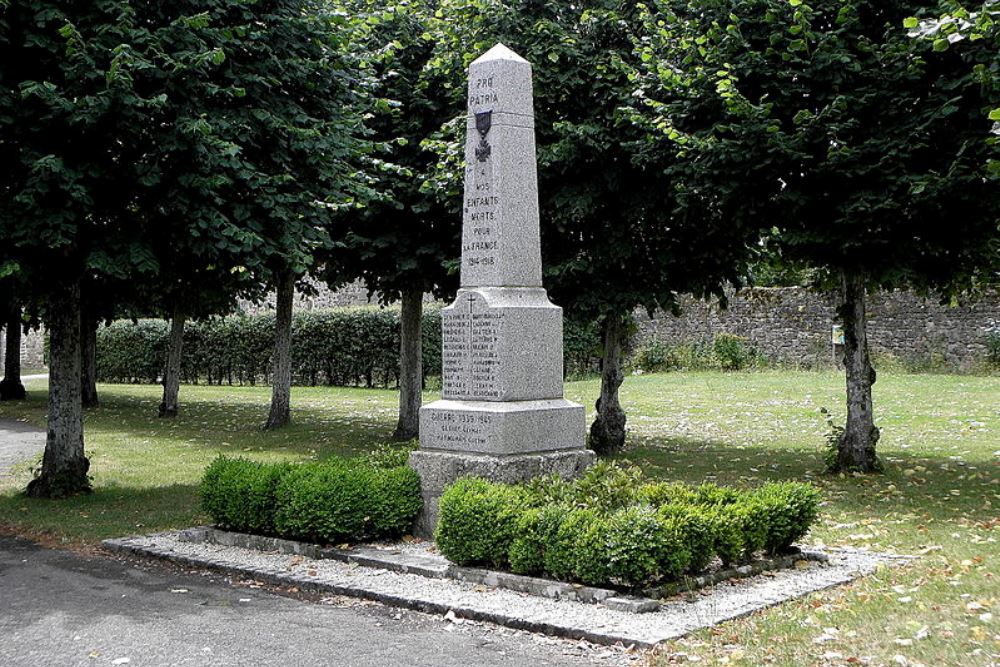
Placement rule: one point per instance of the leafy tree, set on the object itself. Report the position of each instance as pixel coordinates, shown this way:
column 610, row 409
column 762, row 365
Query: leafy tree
column 614, row 237
column 825, row 120
column 401, row 245
column 976, row 35
column 164, row 144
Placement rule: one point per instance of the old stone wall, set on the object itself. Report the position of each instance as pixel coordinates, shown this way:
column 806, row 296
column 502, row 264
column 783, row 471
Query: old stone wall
column 793, row 325
column 32, row 350
column 788, row 325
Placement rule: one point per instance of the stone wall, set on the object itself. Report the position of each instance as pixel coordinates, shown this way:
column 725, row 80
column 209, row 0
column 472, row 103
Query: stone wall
column 789, row 325
column 793, row 325
column 32, row 350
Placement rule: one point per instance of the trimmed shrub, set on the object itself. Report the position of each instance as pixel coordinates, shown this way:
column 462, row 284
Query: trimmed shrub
column 536, row 529
column 477, row 521
column 394, row 500
column 791, row 508
column 610, row 528
column 754, row 525
column 727, row 536
column 240, row 494
column 665, row 493
column 562, row 552
column 698, row 529
column 356, row 346
column 632, row 547
column 335, row 501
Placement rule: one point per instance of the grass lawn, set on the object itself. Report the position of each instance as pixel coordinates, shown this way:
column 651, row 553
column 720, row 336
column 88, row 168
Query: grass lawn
column 939, row 498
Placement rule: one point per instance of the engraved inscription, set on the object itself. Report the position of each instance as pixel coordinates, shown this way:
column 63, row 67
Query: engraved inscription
column 471, row 351
column 481, row 242
column 482, row 92
column 480, row 247
column 455, row 428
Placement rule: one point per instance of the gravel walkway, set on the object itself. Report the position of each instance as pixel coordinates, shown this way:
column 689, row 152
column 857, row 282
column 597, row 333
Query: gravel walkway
column 18, row 442
column 557, row 617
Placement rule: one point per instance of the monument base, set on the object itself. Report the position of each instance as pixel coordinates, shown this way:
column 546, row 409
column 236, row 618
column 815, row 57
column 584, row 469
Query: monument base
column 439, row 469
column 502, row 429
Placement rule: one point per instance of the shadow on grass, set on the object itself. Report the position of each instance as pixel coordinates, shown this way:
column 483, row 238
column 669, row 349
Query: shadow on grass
column 110, row 511
column 935, row 486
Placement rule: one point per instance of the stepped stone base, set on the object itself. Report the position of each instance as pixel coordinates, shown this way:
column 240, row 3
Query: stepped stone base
column 502, row 429
column 439, row 469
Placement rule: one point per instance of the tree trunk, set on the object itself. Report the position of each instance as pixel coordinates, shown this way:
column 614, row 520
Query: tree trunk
column 281, row 375
column 172, row 374
column 856, row 446
column 607, row 433
column 11, row 388
column 64, row 466
column 88, row 369
column 411, row 374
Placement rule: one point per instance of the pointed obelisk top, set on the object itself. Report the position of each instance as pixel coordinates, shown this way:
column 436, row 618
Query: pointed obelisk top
column 500, row 236
column 500, row 52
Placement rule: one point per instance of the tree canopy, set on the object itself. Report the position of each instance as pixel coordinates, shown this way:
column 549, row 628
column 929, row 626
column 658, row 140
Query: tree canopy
column 863, row 150
column 192, row 148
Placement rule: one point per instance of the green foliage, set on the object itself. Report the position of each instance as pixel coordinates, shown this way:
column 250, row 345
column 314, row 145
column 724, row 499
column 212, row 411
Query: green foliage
column 727, row 535
column 407, row 238
column 834, row 434
column 732, row 352
column 697, row 531
column 478, row 521
column 608, row 485
column 993, row 347
column 726, row 352
column 632, row 547
column 613, row 236
column 331, row 502
column 395, row 455
column 562, row 553
column 611, row 527
column 132, row 351
column 581, row 346
column 782, row 116
column 150, row 149
column 790, row 508
column 240, row 494
column 655, row 357
column 345, row 346
column 341, row 346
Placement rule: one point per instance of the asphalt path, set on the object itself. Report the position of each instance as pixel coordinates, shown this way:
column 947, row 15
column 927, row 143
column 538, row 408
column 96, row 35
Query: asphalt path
column 65, row 608
column 18, row 442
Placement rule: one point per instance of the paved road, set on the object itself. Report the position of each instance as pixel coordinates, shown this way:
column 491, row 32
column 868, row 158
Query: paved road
column 18, row 442
column 61, row 608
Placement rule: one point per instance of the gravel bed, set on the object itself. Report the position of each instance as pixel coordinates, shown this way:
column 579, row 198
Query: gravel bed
column 563, row 618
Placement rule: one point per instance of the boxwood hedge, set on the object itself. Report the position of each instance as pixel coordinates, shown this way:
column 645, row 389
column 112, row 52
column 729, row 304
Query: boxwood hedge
column 612, row 528
column 338, row 500
column 351, row 346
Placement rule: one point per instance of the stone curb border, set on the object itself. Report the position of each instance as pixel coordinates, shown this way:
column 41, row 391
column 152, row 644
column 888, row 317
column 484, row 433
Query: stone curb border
column 437, row 568
column 425, row 566
column 600, row 634
column 307, row 583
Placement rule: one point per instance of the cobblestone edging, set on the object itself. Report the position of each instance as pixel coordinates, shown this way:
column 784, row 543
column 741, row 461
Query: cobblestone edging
column 457, row 599
column 426, row 564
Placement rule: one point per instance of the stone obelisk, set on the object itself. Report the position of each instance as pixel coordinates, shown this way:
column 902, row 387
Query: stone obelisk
column 502, row 414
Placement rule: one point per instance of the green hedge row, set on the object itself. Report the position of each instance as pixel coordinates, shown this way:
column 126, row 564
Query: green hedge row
column 605, row 529
column 343, row 346
column 338, row 500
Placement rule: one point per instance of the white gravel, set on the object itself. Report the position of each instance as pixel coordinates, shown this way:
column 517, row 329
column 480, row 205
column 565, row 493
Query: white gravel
column 677, row 617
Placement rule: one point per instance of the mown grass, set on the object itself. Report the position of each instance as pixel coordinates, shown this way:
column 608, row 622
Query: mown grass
column 938, row 498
